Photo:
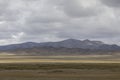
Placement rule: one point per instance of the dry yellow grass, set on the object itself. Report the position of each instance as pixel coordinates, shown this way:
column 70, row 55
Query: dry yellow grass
column 13, row 67
column 59, row 59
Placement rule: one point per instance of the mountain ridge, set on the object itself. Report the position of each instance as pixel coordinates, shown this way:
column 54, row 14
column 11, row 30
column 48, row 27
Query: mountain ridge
column 68, row 43
column 66, row 47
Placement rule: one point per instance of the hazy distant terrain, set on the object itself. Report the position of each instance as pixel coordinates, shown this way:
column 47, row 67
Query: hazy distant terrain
column 66, row 48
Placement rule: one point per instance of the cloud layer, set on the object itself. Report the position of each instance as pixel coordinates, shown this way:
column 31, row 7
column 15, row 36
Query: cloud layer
column 53, row 20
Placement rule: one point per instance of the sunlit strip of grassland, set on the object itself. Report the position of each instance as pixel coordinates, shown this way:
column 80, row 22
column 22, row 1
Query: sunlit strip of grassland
column 4, row 58
column 53, row 61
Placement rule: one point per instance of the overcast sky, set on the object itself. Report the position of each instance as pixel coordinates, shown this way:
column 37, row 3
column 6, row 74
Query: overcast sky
column 54, row 20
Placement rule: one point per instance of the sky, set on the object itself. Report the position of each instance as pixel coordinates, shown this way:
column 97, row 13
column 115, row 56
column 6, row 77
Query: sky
column 55, row 20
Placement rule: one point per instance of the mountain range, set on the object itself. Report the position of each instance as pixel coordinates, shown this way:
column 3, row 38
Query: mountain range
column 65, row 47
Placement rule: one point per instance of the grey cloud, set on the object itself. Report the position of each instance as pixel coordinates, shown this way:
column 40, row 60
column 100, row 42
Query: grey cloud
column 86, row 34
column 112, row 3
column 6, row 13
column 76, row 9
column 52, row 20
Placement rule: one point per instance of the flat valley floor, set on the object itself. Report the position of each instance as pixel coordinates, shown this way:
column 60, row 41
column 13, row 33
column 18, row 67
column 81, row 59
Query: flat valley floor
column 94, row 67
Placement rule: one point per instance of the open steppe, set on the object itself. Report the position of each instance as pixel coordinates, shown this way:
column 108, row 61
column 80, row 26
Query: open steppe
column 87, row 67
column 60, row 59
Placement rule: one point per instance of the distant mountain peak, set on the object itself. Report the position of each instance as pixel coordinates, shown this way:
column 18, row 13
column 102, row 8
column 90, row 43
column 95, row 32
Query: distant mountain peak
column 71, row 40
column 87, row 40
column 68, row 43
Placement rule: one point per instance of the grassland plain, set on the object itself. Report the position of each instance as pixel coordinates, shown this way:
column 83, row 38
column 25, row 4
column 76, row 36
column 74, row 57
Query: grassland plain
column 93, row 67
column 63, row 71
column 60, row 59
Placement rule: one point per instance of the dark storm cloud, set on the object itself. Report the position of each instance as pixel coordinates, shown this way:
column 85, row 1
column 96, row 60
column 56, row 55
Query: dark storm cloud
column 52, row 20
